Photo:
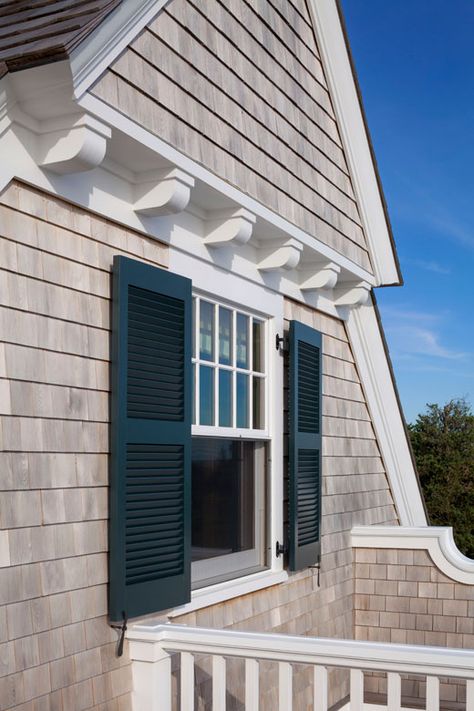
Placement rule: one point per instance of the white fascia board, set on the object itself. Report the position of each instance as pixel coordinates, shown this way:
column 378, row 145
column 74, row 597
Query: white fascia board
column 438, row 541
column 343, row 91
column 371, row 360
column 103, row 46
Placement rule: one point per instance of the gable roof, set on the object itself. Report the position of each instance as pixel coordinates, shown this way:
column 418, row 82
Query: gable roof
column 34, row 32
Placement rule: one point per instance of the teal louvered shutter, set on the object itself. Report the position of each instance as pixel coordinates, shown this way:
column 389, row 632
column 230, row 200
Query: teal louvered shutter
column 305, row 402
column 150, row 486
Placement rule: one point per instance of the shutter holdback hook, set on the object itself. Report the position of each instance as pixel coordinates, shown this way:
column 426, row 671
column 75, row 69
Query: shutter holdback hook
column 123, row 629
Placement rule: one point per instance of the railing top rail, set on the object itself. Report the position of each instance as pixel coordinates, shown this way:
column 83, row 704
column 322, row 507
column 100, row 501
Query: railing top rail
column 149, row 641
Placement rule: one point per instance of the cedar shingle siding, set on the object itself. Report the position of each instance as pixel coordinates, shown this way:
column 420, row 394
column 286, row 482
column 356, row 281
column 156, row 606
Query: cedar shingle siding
column 239, row 87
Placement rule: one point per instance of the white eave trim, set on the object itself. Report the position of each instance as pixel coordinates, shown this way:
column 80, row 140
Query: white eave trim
column 371, row 360
column 99, row 49
column 438, row 541
column 343, row 91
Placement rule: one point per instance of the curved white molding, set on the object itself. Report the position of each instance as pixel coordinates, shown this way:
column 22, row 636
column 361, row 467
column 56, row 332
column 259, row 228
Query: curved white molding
column 280, row 257
column 438, row 541
column 165, row 193
column 371, row 360
column 73, row 148
column 234, row 227
column 324, row 277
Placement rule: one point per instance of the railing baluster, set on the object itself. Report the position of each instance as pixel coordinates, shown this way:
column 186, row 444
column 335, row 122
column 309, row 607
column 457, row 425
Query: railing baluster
column 218, row 683
column 251, row 685
column 187, row 681
column 469, row 695
column 320, row 689
column 357, row 690
column 432, row 693
column 394, row 691
column 285, row 686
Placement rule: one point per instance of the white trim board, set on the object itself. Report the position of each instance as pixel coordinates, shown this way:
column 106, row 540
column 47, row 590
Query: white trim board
column 343, row 91
column 99, row 49
column 438, row 541
column 371, row 360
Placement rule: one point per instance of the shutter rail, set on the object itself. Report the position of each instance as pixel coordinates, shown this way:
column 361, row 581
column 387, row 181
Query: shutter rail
column 151, row 649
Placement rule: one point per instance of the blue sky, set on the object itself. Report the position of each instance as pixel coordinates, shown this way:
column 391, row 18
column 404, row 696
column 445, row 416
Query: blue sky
column 415, row 62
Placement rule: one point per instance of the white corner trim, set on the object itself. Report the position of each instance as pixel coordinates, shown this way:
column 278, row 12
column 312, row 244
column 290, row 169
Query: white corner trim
column 438, row 541
column 343, row 91
column 99, row 50
column 369, row 353
column 214, row 594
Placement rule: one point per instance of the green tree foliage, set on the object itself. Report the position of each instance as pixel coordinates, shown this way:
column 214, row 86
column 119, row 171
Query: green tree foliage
column 443, row 444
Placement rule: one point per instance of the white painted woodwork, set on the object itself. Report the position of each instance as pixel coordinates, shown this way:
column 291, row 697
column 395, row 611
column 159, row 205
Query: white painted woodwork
column 151, row 643
column 285, row 686
column 352, row 294
column 73, row 144
column 218, row 683
column 280, row 257
column 357, row 690
column 251, row 685
column 432, row 693
column 469, row 695
column 438, row 541
column 324, row 277
column 165, row 193
column 320, row 689
column 187, row 681
column 229, row 227
column 394, row 691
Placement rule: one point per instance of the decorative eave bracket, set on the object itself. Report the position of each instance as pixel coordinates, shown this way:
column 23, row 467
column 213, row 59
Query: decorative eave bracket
column 352, row 294
column 229, row 227
column 163, row 193
column 323, row 276
column 72, row 144
column 281, row 257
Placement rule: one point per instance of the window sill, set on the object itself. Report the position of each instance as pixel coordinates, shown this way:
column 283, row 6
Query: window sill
column 220, row 592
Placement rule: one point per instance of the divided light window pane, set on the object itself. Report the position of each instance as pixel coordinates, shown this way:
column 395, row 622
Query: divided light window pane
column 258, row 403
column 206, row 395
column 206, row 330
column 258, row 356
column 242, row 341
column 225, row 398
column 225, row 336
column 242, row 400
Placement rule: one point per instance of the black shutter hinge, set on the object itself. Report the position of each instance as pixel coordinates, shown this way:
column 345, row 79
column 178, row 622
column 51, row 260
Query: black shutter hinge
column 281, row 343
column 123, row 629
column 280, row 549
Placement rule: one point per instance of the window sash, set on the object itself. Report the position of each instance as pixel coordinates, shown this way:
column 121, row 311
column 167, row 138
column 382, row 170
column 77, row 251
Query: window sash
column 231, row 564
column 234, row 430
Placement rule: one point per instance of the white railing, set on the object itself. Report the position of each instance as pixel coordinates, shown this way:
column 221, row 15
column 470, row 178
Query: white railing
column 151, row 649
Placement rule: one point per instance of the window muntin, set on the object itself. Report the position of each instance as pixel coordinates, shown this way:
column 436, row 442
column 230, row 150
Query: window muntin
column 230, row 370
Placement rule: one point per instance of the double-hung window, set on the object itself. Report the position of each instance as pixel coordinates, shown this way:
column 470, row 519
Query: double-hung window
column 229, row 450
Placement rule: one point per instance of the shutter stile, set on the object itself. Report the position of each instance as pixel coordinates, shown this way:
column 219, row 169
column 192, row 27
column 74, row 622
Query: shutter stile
column 149, row 563
column 304, row 446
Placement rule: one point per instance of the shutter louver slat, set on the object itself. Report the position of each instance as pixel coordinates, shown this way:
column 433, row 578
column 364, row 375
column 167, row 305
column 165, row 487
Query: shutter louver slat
column 305, row 446
column 151, row 440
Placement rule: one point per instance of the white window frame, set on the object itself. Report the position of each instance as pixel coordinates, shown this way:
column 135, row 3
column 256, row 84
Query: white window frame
column 242, row 294
column 232, row 564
